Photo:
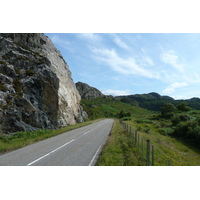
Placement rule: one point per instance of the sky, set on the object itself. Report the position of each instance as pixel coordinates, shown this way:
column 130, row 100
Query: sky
column 134, row 63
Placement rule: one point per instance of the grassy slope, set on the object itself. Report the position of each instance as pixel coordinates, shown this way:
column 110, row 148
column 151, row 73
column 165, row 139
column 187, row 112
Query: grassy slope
column 119, row 149
column 167, row 147
column 109, row 107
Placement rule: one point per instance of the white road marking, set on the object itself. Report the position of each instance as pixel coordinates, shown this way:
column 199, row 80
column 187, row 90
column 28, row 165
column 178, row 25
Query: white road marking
column 50, row 152
column 94, row 156
column 87, row 132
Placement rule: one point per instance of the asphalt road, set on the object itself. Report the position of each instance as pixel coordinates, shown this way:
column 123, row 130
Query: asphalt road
column 79, row 147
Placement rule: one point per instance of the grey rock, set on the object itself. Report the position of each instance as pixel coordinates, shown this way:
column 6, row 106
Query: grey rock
column 37, row 90
column 87, row 92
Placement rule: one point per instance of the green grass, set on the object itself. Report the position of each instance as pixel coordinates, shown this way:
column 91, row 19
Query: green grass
column 120, row 151
column 110, row 107
column 21, row 139
column 165, row 146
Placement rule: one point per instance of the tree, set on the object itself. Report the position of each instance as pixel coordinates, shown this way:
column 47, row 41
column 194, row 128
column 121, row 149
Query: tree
column 183, row 107
column 168, row 110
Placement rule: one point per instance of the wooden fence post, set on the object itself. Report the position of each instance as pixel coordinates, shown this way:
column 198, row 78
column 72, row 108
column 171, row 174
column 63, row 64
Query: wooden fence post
column 142, row 149
column 152, row 155
column 138, row 141
column 135, row 138
column 148, row 153
column 168, row 162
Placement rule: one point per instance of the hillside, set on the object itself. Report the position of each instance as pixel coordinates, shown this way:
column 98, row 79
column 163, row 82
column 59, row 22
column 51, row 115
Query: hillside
column 108, row 106
column 154, row 101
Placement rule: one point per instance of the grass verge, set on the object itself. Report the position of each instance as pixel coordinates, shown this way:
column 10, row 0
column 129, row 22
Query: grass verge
column 166, row 147
column 118, row 150
column 21, row 139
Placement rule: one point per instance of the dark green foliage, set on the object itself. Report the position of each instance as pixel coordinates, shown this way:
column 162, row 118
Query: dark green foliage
column 180, row 118
column 184, row 124
column 154, row 101
column 168, row 110
column 189, row 129
column 183, row 107
column 146, row 121
column 166, row 131
column 123, row 114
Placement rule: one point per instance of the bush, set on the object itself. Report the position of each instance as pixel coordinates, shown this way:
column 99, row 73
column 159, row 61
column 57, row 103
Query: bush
column 179, row 118
column 166, row 131
column 187, row 129
column 123, row 114
column 183, row 107
column 168, row 110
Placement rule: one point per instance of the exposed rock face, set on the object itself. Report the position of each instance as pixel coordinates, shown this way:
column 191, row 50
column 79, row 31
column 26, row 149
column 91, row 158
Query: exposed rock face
column 36, row 88
column 88, row 92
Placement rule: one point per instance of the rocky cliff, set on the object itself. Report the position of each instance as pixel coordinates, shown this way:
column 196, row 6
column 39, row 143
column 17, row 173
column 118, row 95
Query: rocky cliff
column 36, row 88
column 88, row 92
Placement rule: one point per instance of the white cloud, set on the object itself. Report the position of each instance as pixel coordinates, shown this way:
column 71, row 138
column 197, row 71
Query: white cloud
column 125, row 66
column 145, row 59
column 170, row 89
column 62, row 42
column 89, row 36
column 116, row 92
column 170, row 57
column 148, row 60
column 119, row 42
column 56, row 39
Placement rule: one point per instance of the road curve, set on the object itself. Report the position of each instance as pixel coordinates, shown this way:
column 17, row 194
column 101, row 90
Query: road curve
column 79, row 147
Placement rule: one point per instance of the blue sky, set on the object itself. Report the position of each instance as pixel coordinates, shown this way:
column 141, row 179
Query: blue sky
column 134, row 63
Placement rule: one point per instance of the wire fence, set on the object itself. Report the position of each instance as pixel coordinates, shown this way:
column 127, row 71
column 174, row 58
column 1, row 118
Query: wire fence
column 145, row 150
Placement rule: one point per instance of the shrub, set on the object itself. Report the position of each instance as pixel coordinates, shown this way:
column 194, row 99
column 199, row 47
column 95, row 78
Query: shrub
column 123, row 114
column 168, row 110
column 183, row 107
column 179, row 118
column 187, row 129
column 166, row 131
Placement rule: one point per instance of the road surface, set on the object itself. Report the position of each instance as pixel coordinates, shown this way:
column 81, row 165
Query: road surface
column 79, row 147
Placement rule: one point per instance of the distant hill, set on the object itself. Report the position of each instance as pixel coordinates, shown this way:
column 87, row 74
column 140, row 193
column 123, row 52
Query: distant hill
column 154, row 101
column 151, row 101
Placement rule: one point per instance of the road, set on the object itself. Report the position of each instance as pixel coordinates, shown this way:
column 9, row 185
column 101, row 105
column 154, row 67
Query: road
column 79, row 147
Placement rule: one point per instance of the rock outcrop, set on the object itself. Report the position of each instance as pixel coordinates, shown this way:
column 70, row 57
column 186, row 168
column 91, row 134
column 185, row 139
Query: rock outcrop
column 36, row 88
column 87, row 92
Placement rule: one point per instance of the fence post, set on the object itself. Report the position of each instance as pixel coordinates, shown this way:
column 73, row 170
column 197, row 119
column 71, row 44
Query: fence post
column 168, row 162
column 135, row 138
column 142, row 149
column 132, row 137
column 152, row 155
column 138, row 141
column 148, row 153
